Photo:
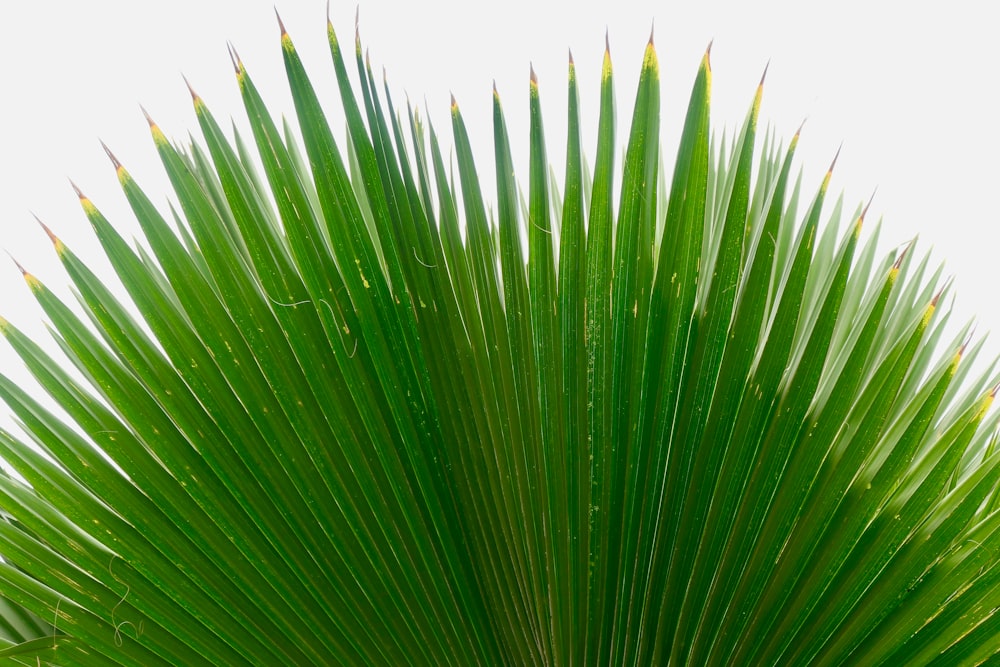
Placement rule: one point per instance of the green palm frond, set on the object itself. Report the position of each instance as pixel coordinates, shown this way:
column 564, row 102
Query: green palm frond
column 354, row 414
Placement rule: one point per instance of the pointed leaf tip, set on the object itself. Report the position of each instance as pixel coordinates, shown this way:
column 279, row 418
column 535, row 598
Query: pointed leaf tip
column 531, row 74
column 149, row 119
column 20, row 268
column 652, row 28
column 937, row 297
column 114, row 160
column 902, row 255
column 194, row 95
column 570, row 56
column 607, row 42
column 968, row 340
column 834, row 162
column 79, row 193
column 235, row 58
column 864, row 211
column 764, row 75
column 45, row 228
column 281, row 25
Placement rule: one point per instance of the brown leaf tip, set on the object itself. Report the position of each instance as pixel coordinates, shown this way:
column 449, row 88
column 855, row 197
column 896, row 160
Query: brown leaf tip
column 571, row 57
column 531, row 74
column 20, row 268
column 937, row 297
column 45, row 228
column 902, row 255
column 834, row 162
column 281, row 25
column 114, row 160
column 764, row 75
column 968, row 340
column 77, row 190
column 149, row 119
column 235, row 58
column 194, row 95
column 864, row 211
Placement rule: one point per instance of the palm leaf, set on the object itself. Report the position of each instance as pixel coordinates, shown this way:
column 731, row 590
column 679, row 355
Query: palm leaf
column 352, row 414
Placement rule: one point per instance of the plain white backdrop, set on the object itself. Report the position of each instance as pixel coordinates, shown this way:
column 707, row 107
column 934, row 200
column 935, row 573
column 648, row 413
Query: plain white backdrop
column 908, row 89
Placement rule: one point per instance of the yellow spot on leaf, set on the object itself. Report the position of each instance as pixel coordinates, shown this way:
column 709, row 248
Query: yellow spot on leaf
column 159, row 138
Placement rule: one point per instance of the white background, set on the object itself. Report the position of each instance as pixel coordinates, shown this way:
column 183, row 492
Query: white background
column 909, row 89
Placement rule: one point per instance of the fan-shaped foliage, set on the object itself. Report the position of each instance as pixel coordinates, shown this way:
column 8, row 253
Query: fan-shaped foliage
column 354, row 415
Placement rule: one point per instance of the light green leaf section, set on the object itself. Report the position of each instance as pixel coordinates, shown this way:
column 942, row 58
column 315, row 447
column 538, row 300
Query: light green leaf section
column 361, row 407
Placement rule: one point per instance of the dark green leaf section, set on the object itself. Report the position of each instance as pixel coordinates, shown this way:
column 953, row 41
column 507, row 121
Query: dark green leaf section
column 351, row 412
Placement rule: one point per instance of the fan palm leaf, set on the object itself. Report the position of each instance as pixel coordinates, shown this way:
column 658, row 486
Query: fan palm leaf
column 352, row 414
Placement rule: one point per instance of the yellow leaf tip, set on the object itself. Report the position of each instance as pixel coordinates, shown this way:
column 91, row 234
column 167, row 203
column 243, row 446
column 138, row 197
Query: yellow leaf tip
column 88, row 207
column 532, row 76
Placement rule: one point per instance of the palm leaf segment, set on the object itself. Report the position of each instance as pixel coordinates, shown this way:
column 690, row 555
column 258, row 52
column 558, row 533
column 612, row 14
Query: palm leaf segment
column 355, row 424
